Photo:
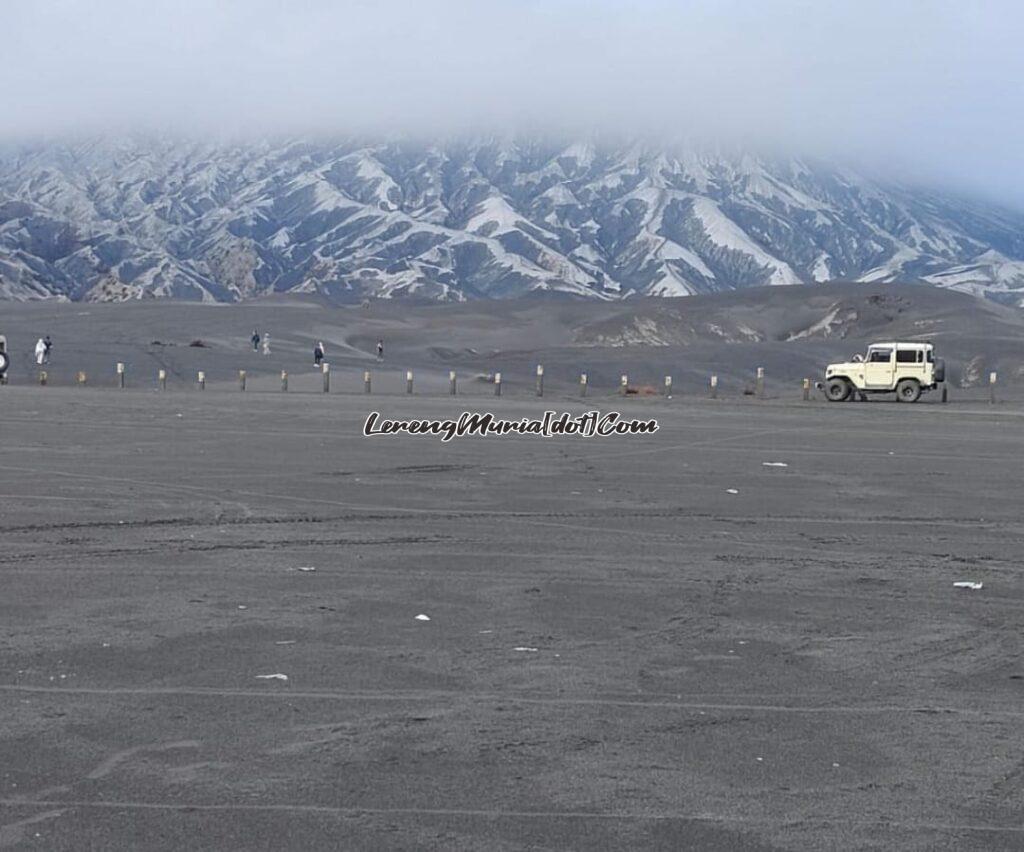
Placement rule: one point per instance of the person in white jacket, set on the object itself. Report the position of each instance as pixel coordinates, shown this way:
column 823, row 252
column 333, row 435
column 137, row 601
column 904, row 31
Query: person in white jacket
column 40, row 351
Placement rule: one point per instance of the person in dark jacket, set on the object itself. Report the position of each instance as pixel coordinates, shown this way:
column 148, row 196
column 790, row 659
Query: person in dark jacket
column 318, row 353
column 380, row 350
column 255, row 340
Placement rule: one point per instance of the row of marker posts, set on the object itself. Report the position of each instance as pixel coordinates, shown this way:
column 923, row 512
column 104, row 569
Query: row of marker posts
column 121, row 373
column 452, row 381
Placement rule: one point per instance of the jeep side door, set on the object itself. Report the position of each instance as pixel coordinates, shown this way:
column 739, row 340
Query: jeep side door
column 910, row 364
column 878, row 368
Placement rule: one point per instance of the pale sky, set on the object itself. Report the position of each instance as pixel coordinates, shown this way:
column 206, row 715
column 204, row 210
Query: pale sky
column 926, row 89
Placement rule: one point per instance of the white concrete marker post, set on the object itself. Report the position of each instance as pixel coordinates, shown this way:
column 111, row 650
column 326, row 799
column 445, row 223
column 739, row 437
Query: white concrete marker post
column 120, row 375
column 161, row 377
column 284, row 381
column 408, row 381
column 366, row 381
column 714, row 387
column 451, row 382
column 807, row 390
column 668, row 387
column 241, row 380
column 583, row 384
column 82, row 378
column 992, row 377
column 623, row 384
column 325, row 368
column 760, row 382
column 497, row 384
column 201, row 379
column 540, row 380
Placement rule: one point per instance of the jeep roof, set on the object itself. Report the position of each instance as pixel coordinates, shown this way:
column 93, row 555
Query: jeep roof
column 900, row 345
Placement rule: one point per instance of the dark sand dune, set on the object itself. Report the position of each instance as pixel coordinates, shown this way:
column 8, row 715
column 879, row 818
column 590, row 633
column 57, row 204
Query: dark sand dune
column 791, row 331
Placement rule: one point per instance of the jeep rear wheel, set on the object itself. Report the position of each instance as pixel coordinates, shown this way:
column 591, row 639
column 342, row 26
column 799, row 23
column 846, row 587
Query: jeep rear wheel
column 908, row 390
column 4, row 361
column 837, row 390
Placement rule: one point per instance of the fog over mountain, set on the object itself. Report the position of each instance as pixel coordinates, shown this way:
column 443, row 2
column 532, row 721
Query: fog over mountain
column 453, row 149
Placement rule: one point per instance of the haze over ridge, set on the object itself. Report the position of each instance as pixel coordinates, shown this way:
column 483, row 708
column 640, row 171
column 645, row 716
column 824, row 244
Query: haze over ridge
column 456, row 149
column 927, row 90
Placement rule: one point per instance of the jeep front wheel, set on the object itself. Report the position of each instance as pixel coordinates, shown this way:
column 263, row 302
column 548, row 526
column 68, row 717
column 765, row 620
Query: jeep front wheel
column 908, row 390
column 837, row 390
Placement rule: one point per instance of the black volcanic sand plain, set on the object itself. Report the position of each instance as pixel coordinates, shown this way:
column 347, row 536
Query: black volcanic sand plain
column 620, row 652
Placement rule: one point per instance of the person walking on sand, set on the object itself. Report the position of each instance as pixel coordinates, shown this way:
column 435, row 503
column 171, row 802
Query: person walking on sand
column 266, row 343
column 255, row 340
column 380, row 350
column 40, row 351
column 318, row 353
column 48, row 345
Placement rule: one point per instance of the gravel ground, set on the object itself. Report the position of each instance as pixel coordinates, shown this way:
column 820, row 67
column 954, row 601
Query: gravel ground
column 620, row 652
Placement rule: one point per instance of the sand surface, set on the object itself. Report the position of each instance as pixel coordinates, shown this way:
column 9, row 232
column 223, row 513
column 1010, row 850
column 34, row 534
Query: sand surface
column 785, row 667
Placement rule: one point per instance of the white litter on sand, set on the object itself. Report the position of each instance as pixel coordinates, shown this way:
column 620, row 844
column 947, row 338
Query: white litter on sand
column 285, row 642
column 485, row 631
column 277, row 676
column 968, row 584
column 774, row 464
column 731, row 491
column 240, row 606
column 422, row 617
column 524, row 648
column 305, row 568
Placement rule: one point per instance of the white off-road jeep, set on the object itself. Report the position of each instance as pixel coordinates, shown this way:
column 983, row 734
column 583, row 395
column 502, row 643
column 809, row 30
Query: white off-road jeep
column 905, row 369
